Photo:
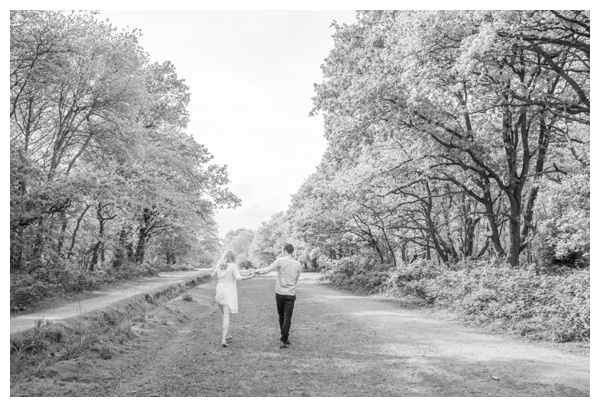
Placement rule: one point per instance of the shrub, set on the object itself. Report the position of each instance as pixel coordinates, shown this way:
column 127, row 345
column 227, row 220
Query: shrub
column 412, row 279
column 354, row 273
column 59, row 276
column 525, row 300
column 26, row 290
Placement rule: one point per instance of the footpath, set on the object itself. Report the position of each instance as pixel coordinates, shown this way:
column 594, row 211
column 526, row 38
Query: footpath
column 120, row 292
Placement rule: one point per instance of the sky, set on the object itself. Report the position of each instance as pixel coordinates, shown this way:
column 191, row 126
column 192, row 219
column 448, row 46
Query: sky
column 251, row 76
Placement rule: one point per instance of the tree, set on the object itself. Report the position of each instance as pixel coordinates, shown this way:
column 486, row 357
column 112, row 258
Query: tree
column 471, row 94
column 239, row 240
column 102, row 169
column 73, row 80
column 268, row 240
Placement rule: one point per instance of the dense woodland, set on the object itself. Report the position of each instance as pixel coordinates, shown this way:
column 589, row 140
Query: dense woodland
column 457, row 166
column 104, row 179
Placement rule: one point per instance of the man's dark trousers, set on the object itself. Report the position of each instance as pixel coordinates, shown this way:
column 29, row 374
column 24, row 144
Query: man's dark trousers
column 285, row 307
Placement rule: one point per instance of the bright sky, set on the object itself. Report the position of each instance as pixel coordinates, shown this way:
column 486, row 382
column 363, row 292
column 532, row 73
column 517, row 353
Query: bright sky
column 251, row 76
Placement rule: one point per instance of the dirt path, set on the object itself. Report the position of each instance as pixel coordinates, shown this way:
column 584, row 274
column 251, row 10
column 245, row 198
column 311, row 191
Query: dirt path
column 104, row 298
column 342, row 345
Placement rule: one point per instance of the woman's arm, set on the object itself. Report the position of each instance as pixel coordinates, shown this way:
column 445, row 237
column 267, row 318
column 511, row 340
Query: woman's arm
column 245, row 273
column 251, row 275
column 236, row 272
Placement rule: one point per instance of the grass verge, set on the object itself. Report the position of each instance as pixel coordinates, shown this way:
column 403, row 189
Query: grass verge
column 97, row 335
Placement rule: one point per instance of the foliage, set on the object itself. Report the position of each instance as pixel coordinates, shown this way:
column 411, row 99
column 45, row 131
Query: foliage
column 240, row 241
column 354, row 273
column 268, row 241
column 102, row 172
column 440, row 136
column 565, row 225
column 552, row 306
column 273, row 234
column 29, row 290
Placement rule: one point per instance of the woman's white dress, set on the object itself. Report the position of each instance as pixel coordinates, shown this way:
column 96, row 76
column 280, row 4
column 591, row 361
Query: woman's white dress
column 226, row 292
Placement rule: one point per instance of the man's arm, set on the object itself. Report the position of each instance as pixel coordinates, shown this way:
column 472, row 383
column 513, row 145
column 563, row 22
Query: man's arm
column 272, row 267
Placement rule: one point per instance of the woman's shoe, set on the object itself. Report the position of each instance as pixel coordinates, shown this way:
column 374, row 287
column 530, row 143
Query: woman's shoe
column 224, row 344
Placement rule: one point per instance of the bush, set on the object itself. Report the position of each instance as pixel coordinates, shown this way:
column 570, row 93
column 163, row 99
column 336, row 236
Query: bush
column 26, row 290
column 525, row 300
column 412, row 279
column 354, row 273
column 59, row 277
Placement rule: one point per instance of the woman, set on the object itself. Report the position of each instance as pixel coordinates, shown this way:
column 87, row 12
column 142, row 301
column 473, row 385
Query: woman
column 226, row 296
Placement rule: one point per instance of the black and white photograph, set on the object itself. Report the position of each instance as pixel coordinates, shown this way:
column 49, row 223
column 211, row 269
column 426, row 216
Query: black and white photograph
column 324, row 199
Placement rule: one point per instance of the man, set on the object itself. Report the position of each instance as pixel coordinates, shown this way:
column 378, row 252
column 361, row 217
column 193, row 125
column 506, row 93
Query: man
column 288, row 272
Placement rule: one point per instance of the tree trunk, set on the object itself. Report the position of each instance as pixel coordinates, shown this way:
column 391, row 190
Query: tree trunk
column 123, row 248
column 514, row 231
column 38, row 245
column 170, row 258
column 378, row 250
column 514, row 181
column 61, row 239
column 484, row 248
column 74, row 236
column 427, row 207
column 469, row 227
column 389, row 245
column 543, row 141
column 141, row 246
column 94, row 259
column 101, row 222
column 494, row 232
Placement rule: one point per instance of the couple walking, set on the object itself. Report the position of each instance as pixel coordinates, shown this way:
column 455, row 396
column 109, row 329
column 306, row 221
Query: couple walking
column 228, row 274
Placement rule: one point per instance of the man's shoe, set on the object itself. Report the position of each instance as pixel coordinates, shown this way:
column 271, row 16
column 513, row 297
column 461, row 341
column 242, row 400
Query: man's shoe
column 283, row 345
column 287, row 342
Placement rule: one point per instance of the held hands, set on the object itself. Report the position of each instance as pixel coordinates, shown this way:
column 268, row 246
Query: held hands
column 252, row 272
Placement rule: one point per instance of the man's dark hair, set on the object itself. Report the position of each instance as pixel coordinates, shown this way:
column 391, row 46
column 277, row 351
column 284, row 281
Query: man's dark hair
column 288, row 248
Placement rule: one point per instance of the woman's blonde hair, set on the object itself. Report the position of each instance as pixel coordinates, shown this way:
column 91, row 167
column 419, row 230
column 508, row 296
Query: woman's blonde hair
column 227, row 257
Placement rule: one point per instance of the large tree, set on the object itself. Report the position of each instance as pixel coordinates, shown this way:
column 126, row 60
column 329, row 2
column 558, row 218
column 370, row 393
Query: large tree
column 486, row 96
column 102, row 169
